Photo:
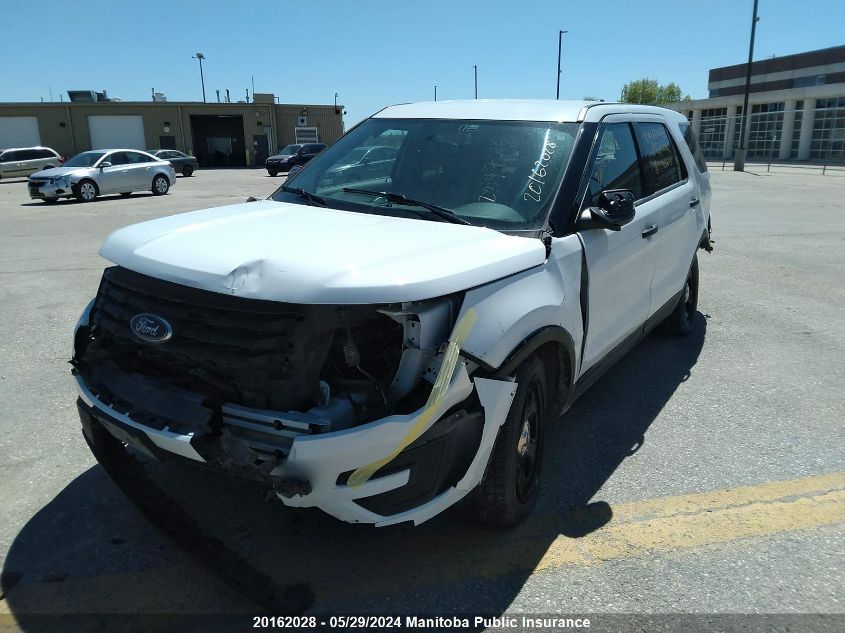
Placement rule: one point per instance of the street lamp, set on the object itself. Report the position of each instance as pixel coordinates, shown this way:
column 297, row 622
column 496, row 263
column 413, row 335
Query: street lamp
column 559, row 48
column 739, row 156
column 201, row 57
column 435, row 92
column 475, row 71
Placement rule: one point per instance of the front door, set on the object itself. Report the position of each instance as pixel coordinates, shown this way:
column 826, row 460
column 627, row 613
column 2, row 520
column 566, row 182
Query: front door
column 620, row 264
column 115, row 178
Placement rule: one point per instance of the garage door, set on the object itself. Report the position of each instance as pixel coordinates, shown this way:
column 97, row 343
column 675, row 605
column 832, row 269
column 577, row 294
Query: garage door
column 109, row 132
column 19, row 131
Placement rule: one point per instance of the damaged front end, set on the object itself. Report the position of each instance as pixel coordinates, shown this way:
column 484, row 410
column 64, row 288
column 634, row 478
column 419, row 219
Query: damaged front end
column 365, row 411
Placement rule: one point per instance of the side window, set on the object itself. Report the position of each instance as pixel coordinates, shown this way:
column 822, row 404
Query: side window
column 134, row 158
column 692, row 143
column 659, row 161
column 28, row 154
column 117, row 158
column 616, row 165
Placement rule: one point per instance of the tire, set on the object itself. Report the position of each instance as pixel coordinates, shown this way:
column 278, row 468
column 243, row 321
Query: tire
column 511, row 484
column 680, row 322
column 126, row 194
column 87, row 191
column 161, row 185
column 187, row 170
column 273, row 173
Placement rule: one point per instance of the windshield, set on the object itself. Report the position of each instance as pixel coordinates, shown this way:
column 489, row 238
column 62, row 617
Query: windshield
column 85, row 159
column 290, row 149
column 500, row 174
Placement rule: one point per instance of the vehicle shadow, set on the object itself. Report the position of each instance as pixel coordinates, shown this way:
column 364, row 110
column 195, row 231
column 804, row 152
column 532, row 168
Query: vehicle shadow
column 69, row 201
column 90, row 552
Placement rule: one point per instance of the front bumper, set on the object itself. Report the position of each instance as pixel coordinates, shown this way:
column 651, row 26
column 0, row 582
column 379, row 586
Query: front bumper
column 49, row 190
column 420, row 482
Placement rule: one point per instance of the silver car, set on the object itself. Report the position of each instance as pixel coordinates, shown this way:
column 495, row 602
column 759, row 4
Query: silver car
column 91, row 174
column 23, row 161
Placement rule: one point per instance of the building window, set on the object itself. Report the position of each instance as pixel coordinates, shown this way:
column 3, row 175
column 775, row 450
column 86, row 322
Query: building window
column 796, row 131
column 828, row 129
column 737, row 127
column 765, row 130
column 711, row 132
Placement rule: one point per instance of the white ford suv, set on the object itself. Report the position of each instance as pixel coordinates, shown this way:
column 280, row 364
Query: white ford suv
column 384, row 347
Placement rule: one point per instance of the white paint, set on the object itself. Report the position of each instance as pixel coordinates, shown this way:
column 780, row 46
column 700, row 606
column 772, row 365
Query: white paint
column 116, row 131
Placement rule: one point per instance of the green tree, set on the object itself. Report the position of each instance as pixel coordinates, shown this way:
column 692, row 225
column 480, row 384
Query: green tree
column 591, row 98
column 650, row 92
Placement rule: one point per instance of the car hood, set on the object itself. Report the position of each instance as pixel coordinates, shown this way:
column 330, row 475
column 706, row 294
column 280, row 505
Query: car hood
column 60, row 171
column 282, row 155
column 302, row 254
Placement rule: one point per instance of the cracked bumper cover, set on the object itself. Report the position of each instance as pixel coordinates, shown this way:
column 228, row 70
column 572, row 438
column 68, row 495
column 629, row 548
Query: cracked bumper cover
column 323, row 460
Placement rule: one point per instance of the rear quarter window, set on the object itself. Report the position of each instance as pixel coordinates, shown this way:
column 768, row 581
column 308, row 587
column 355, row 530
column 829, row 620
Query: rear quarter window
column 692, row 143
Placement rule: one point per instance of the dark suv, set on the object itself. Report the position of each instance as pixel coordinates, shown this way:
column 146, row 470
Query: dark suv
column 297, row 154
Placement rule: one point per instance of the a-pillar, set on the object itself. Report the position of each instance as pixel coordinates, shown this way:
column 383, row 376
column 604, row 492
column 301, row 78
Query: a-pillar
column 807, row 122
column 787, row 129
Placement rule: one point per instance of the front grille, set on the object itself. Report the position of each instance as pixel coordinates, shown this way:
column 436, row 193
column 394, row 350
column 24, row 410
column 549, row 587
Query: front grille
column 230, row 348
column 254, row 353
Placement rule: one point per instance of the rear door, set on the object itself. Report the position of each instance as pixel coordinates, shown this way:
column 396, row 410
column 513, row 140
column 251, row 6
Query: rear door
column 139, row 172
column 674, row 197
column 620, row 264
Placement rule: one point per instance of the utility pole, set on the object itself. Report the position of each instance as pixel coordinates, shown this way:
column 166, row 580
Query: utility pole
column 739, row 156
column 559, row 50
column 252, row 77
column 201, row 57
column 435, row 92
column 475, row 71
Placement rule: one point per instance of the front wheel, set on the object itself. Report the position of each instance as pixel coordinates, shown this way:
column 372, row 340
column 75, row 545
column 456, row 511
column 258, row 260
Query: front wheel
column 680, row 321
column 160, row 185
column 511, row 484
column 187, row 170
column 86, row 191
column 273, row 173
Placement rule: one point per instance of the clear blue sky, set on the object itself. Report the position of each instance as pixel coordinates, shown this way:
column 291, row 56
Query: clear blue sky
column 375, row 53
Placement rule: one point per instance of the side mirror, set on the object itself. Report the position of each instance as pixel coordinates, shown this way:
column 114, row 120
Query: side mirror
column 615, row 209
column 105, row 164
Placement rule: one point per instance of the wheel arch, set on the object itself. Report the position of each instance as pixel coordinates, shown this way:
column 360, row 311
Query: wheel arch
column 556, row 349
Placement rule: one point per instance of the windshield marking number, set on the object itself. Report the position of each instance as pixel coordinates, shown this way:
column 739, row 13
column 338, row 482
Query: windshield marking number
column 539, row 171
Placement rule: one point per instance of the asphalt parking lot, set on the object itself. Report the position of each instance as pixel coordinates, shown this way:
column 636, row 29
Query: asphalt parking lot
column 705, row 475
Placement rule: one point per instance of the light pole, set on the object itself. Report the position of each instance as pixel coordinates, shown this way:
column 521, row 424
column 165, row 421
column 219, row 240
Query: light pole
column 201, row 57
column 475, row 71
column 559, row 50
column 435, row 92
column 739, row 156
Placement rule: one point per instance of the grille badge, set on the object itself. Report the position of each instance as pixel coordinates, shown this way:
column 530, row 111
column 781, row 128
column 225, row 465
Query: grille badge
column 150, row 328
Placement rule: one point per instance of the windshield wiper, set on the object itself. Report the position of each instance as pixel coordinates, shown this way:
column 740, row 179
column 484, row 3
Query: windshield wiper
column 398, row 198
column 307, row 195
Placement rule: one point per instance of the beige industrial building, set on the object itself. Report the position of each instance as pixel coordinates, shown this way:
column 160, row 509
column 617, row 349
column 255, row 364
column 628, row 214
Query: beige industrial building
column 218, row 134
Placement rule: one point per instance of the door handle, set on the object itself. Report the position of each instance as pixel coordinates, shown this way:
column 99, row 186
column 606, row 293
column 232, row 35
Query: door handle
column 650, row 230
column 694, row 202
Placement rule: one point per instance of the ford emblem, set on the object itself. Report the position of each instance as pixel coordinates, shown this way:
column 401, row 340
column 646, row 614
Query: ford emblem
column 150, row 328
